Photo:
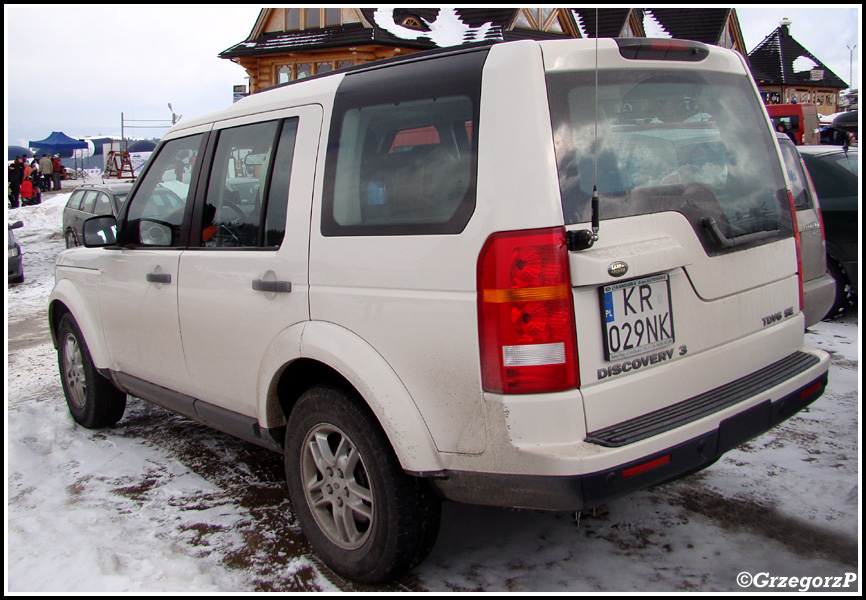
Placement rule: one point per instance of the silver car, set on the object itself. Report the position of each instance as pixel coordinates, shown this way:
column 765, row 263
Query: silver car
column 819, row 287
column 91, row 200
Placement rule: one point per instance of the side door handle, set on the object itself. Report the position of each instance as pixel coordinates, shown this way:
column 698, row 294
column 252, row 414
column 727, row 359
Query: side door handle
column 159, row 277
column 260, row 285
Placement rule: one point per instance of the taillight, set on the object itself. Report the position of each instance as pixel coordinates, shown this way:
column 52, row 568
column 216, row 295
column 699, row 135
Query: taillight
column 799, row 251
column 526, row 313
column 815, row 202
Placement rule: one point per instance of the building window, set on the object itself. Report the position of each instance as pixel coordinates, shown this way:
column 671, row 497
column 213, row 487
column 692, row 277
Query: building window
column 542, row 19
column 313, row 18
column 284, row 73
column 293, row 19
column 727, row 39
column 331, row 16
column 627, row 31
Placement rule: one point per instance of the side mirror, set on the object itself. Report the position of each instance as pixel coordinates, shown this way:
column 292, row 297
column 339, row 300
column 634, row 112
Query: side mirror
column 16, row 225
column 100, row 232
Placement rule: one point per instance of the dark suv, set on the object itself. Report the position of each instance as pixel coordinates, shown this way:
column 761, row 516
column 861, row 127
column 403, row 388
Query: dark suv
column 88, row 201
column 834, row 173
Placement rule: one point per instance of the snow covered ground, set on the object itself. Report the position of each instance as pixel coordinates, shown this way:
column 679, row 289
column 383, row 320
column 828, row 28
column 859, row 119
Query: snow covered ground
column 161, row 504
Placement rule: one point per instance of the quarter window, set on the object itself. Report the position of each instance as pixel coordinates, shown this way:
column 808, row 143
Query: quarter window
column 402, row 158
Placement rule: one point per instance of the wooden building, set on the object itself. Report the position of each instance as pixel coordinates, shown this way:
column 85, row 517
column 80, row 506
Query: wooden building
column 786, row 72
column 292, row 43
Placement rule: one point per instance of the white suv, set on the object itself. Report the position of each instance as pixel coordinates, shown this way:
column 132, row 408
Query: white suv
column 400, row 277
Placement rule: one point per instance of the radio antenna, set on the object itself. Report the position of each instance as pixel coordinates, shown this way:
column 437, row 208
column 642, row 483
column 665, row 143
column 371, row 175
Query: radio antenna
column 594, row 202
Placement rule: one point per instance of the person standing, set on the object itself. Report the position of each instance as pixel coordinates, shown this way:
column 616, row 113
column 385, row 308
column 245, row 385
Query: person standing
column 57, row 169
column 16, row 176
column 28, row 169
column 46, row 169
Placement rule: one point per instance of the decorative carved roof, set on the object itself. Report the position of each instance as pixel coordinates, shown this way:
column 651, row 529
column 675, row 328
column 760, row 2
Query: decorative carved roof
column 773, row 63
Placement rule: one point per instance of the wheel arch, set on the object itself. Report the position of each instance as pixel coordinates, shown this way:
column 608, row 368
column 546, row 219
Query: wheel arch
column 66, row 298
column 325, row 353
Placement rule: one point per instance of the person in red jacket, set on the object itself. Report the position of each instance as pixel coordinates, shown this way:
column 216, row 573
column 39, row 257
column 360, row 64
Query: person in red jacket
column 57, row 169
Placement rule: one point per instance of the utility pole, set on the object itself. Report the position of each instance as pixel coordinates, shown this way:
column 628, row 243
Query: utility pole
column 851, row 65
column 174, row 118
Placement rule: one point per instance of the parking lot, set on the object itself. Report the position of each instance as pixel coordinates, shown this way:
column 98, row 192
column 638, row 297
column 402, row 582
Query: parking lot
column 161, row 504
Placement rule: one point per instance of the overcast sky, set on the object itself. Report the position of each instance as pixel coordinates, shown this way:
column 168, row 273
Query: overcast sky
column 76, row 68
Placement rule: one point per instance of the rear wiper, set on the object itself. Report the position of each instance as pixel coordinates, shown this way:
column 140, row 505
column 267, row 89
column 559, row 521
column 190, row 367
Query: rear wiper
column 725, row 241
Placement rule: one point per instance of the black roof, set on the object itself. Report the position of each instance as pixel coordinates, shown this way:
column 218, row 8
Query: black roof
column 610, row 21
column 772, row 63
column 352, row 34
column 697, row 24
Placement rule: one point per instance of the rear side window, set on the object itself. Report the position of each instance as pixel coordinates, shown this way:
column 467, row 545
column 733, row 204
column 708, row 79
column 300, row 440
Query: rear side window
column 89, row 201
column 102, row 206
column 796, row 175
column 402, row 158
column 249, row 186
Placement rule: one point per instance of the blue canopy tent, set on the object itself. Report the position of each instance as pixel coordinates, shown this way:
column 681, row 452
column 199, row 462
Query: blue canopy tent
column 58, row 143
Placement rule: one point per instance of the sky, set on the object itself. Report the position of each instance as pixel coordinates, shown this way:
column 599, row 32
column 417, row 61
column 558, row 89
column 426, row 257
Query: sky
column 78, row 67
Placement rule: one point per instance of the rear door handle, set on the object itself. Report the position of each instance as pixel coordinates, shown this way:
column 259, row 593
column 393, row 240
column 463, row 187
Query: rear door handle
column 260, row 285
column 159, row 277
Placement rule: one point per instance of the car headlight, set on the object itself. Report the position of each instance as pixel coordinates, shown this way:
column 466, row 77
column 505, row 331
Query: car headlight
column 13, row 252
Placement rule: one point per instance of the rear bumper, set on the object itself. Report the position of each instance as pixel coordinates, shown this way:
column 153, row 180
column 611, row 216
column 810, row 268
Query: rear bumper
column 574, row 492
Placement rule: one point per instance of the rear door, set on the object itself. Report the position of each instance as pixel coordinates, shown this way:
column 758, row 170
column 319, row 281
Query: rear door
column 696, row 249
column 247, row 261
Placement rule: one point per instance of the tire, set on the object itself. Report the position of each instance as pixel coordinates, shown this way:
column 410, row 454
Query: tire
column 367, row 519
column 93, row 400
column 844, row 292
column 71, row 239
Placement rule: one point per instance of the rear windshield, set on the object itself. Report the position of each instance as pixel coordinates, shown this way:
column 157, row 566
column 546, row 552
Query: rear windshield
column 687, row 141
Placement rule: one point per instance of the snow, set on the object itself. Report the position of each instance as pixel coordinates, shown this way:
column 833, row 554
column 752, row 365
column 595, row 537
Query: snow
column 447, row 29
column 160, row 504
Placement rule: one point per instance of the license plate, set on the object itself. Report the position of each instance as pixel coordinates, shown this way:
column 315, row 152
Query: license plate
column 637, row 316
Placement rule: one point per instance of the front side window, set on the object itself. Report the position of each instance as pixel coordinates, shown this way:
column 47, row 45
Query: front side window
column 402, row 157
column 156, row 212
column 687, row 141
